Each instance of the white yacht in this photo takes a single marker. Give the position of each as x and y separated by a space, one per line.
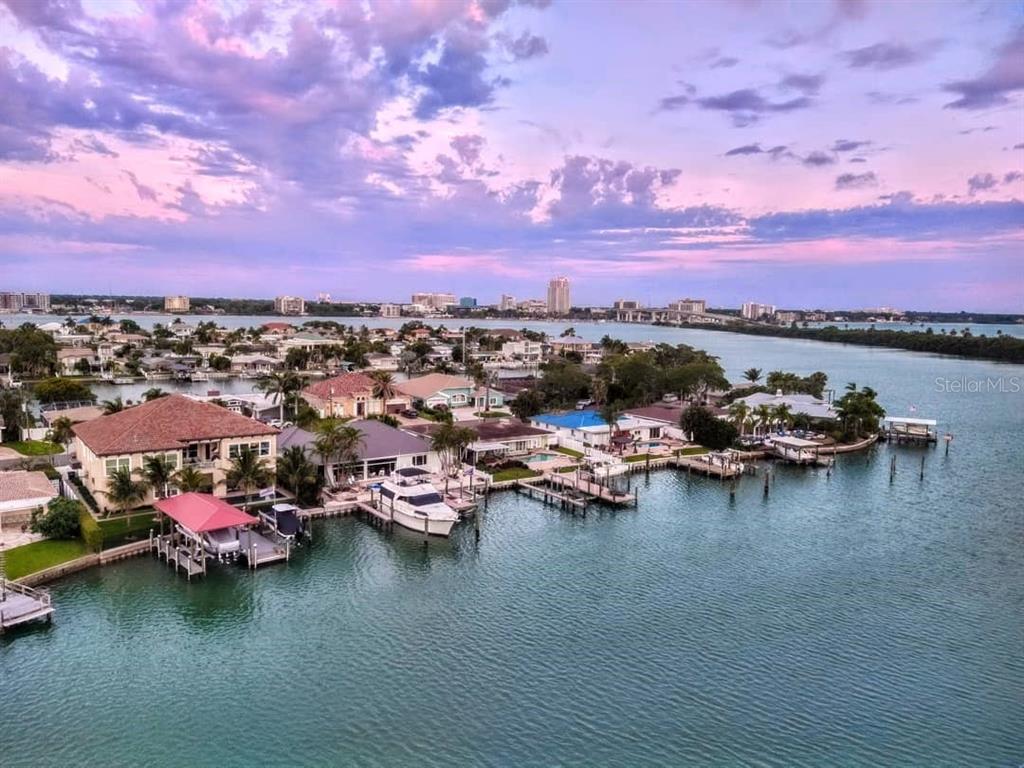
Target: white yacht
415 503
605 466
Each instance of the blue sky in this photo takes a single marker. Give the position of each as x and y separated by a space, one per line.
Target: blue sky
837 154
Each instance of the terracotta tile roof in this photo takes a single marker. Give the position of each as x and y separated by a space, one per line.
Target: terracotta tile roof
346 385
21 484
165 424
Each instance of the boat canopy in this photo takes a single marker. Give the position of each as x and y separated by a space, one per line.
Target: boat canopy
201 512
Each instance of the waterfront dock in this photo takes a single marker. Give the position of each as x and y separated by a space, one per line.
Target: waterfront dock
594 491
22 605
710 465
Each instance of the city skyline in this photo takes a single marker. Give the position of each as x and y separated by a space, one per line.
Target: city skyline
842 154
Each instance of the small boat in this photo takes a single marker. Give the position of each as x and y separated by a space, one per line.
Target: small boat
602 467
124 380
415 503
199 376
222 543
283 520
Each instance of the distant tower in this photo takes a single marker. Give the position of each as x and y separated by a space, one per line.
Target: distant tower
558 296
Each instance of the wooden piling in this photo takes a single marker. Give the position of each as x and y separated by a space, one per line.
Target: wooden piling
922 467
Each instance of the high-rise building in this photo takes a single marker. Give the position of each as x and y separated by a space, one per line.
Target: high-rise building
626 304
289 305
752 310
176 304
390 310
436 301
323 298
689 306
558 296
24 302
507 303
467 302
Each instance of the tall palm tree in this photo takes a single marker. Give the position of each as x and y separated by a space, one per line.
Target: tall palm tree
280 386
153 393
782 414
383 388
191 480
248 472
296 472
753 375
113 406
159 474
62 431
124 490
740 413
450 442
763 416
337 444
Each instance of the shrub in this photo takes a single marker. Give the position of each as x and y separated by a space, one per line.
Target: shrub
83 493
59 520
708 429
92 534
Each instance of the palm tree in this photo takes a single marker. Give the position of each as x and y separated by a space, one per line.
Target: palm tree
153 393
782 414
248 472
763 415
62 431
124 490
159 473
337 444
383 388
296 472
740 413
450 442
280 385
752 375
112 406
190 480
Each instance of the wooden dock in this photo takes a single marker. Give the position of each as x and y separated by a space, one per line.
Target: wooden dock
22 605
723 470
535 490
258 549
181 557
593 490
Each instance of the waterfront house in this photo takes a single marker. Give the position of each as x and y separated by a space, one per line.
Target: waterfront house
436 389
378 361
585 429
350 394
255 364
70 359
381 451
183 430
807 405
21 492
506 437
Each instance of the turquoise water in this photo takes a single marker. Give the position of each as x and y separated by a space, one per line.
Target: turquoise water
541 457
844 621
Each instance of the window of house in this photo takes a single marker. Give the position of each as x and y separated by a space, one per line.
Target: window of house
420 460
112 465
260 449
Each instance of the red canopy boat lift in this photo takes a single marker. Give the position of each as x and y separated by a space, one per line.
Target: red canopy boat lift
204 527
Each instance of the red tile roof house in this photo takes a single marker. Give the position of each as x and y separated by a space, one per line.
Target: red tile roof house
350 395
185 431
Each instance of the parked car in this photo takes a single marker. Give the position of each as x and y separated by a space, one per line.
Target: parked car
410 413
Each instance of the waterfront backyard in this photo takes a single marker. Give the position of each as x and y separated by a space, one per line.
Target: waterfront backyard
844 620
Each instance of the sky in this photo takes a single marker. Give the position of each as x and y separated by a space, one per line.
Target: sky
841 154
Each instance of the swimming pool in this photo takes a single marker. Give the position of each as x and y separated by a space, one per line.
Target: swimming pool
540 457
572 419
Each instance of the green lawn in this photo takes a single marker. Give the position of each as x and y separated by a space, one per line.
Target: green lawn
694 450
568 452
30 558
631 459
34 447
565 470
515 473
492 414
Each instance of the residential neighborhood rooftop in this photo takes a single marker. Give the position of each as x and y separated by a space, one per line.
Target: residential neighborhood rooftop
167 423
21 484
340 386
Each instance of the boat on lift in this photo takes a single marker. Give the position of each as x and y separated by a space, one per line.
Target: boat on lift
415 503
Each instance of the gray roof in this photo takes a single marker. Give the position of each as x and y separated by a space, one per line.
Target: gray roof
379 441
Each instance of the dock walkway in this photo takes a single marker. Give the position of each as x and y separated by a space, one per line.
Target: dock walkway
591 489
20 605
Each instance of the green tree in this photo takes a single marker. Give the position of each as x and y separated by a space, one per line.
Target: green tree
124 490
298 474
280 386
450 442
159 473
14 413
191 480
707 429
338 445
59 520
62 431
529 402
248 472
383 387
62 390
739 412
859 412
112 406
153 393
753 375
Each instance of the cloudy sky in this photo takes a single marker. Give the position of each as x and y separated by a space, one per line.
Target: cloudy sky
836 154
